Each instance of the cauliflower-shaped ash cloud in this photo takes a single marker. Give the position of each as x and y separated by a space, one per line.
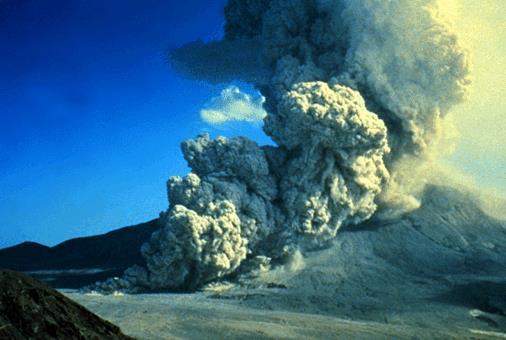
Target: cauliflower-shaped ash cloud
233 105
350 87
334 168
400 55
192 248
233 208
218 214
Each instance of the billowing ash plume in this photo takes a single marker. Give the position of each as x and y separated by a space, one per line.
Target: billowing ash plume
350 85
333 150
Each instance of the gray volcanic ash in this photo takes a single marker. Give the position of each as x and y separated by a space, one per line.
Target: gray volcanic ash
352 87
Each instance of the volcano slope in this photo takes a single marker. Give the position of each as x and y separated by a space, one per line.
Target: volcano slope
438 271
446 256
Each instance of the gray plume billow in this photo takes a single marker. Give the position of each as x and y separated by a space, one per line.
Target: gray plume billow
351 87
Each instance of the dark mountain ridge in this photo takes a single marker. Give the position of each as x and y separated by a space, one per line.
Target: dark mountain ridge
79 261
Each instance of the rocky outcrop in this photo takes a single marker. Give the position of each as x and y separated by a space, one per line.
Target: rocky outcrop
31 310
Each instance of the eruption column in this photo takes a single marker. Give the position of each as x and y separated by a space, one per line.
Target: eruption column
351 86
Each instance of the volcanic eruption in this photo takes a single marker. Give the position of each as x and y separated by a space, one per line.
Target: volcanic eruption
351 87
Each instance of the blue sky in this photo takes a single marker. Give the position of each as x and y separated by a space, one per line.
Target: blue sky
92 115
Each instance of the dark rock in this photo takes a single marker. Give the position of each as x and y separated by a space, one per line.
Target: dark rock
31 310
276 285
81 261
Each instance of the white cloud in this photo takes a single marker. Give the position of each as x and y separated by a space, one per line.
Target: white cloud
233 105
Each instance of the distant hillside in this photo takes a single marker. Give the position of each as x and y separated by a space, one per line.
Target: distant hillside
80 261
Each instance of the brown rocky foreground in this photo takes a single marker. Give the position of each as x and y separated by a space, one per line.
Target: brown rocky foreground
31 310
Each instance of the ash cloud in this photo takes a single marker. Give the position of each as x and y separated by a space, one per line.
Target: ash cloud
351 87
